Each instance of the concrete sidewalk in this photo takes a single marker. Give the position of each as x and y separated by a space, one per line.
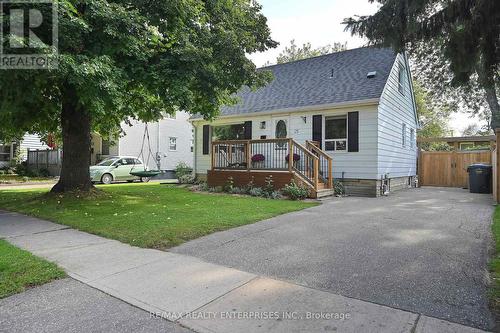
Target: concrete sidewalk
203 296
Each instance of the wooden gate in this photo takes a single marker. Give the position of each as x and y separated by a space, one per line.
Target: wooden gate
440 168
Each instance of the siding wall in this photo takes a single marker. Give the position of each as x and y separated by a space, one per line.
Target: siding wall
32 142
394 110
180 128
362 164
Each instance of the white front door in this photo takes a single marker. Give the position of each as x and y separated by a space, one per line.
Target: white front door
281 130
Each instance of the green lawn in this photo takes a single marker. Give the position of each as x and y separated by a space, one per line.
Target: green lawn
148 215
20 269
14 179
495 264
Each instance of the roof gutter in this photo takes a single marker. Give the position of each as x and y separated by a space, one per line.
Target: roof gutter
308 108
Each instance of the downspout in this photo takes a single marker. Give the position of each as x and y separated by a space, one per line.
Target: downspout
158 154
195 149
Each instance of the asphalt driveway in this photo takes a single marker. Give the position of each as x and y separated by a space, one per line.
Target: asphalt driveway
422 250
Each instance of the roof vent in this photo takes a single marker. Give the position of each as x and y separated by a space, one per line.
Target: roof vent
371 75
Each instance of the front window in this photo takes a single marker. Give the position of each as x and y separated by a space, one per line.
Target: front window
336 133
403 135
412 138
401 78
4 153
172 144
108 162
105 147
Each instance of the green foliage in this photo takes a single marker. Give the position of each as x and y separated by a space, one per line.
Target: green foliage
20 270
338 188
494 291
437 146
256 192
23 170
455 42
168 215
433 119
294 52
182 169
295 192
138 59
186 179
229 185
268 185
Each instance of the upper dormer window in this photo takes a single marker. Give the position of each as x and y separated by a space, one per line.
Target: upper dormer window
401 79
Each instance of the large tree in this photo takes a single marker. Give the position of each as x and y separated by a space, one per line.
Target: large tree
294 52
457 40
433 118
137 59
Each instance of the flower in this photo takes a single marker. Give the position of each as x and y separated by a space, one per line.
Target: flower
296 157
258 158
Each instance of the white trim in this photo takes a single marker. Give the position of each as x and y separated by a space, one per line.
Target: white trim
345 115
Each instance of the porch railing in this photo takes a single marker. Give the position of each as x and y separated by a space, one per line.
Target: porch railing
312 165
325 163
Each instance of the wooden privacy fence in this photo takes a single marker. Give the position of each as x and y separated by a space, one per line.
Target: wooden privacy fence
45 159
445 168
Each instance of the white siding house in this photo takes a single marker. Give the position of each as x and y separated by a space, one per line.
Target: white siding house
29 141
170 140
355 104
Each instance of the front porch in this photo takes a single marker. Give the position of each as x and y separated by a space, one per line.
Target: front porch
284 159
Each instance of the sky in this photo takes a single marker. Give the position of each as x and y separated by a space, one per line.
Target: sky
320 23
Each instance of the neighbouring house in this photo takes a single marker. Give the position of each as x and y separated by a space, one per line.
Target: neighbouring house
348 116
464 143
28 142
170 142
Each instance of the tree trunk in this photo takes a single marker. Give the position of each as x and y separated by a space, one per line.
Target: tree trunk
492 99
75 125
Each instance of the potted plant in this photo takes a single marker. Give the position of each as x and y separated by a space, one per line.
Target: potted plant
296 158
258 160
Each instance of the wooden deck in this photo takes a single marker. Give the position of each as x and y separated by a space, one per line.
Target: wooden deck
285 160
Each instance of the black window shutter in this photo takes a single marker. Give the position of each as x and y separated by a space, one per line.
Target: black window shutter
353 131
248 130
318 129
206 139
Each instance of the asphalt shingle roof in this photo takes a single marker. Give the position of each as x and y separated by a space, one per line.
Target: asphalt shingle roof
332 78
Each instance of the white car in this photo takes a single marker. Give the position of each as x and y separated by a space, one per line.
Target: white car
117 169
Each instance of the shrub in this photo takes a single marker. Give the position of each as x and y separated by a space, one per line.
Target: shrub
229 185
44 172
269 185
338 188
26 179
256 192
295 192
186 179
274 195
182 169
203 186
238 190
22 170
249 186
258 158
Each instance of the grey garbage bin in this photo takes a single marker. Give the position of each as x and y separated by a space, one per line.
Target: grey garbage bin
480 178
